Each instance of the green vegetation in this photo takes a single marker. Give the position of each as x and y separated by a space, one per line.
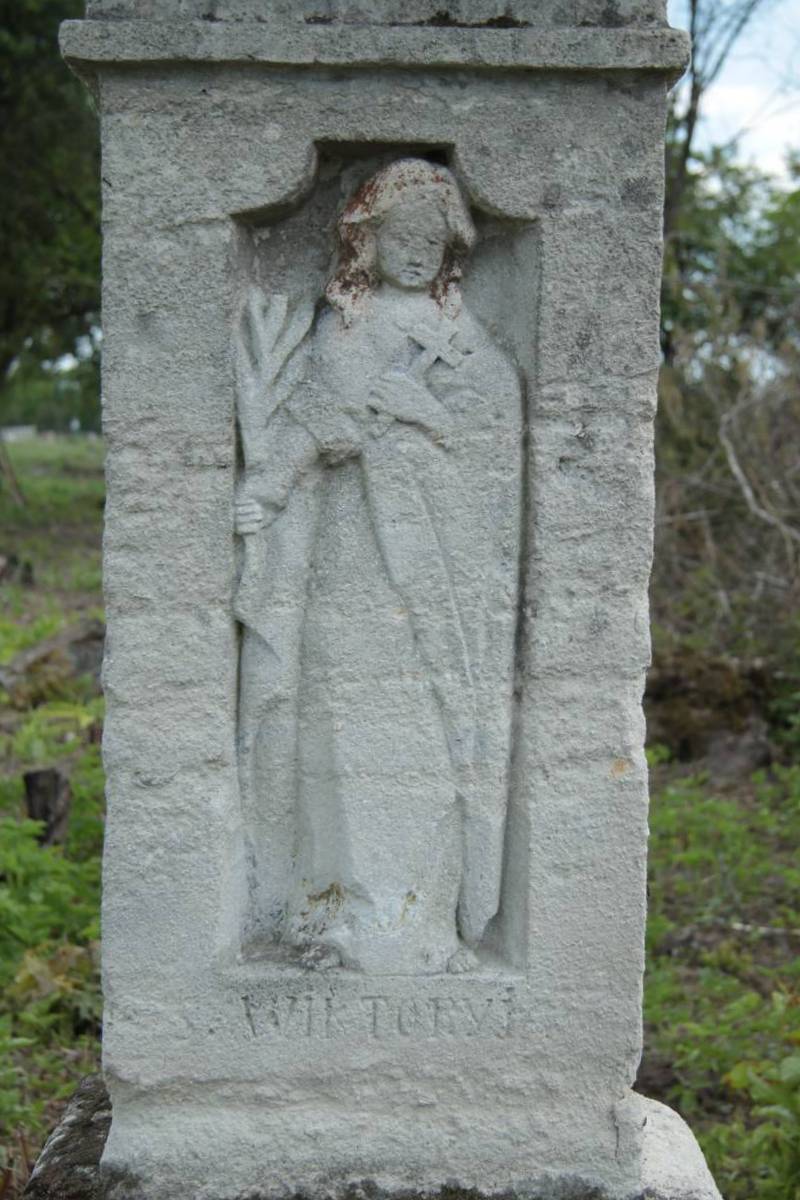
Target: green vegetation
57 533
49 223
727 566
49 894
722 1000
726 576
722 995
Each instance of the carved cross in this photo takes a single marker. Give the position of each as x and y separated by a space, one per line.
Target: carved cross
435 345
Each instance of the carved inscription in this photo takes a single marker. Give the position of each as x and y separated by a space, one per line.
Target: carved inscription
374 1015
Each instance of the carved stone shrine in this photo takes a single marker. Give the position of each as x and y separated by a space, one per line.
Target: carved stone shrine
380 355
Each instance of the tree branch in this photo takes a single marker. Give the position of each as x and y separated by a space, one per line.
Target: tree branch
745 487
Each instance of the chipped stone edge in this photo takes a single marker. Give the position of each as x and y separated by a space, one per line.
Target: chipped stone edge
88 45
673 1166
120 1185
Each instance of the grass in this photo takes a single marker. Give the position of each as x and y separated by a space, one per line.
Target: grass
49 895
58 531
722 995
722 991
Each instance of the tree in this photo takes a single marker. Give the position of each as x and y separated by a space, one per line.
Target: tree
49 188
727 572
727 575
715 27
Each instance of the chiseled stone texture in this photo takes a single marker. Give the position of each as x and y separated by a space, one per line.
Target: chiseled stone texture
68 1166
443 13
234 1071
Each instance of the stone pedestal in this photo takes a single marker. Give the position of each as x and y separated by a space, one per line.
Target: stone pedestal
375 863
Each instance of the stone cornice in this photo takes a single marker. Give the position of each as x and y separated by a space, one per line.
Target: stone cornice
91 45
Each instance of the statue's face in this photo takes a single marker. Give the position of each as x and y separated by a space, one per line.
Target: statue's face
410 245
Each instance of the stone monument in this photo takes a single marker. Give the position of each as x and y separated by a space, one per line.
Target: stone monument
380 312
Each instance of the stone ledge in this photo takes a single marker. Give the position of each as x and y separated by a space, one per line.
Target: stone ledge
499 13
89 45
68 1168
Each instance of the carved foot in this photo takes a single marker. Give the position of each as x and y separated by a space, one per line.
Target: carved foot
463 960
318 957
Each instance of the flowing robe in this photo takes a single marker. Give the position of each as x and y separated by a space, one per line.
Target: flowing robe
379 612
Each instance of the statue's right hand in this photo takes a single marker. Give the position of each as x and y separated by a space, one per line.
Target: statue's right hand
249 517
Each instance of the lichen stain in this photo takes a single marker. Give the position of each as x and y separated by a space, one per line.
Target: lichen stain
620 767
332 896
409 901
330 901
446 277
363 201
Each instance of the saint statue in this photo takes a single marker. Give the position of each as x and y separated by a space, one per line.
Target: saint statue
379 508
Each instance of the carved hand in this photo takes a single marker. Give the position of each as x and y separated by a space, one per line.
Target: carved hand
403 398
249 517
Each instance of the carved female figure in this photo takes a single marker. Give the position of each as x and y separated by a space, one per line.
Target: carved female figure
380 509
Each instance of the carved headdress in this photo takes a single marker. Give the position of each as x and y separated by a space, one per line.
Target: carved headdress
407 179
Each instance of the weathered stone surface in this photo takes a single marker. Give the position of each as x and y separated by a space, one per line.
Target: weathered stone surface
374 881
407 478
68 1166
476 47
673 1167
498 14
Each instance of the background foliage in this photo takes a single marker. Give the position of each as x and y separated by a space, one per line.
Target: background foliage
50 716
722 1001
49 221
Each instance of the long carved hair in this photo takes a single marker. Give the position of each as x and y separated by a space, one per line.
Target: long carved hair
403 180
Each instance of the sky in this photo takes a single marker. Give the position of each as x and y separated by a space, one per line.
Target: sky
757 95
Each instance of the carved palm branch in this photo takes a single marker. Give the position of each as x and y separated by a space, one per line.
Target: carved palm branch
266 339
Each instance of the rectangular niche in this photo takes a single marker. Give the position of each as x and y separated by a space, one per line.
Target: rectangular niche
383 351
